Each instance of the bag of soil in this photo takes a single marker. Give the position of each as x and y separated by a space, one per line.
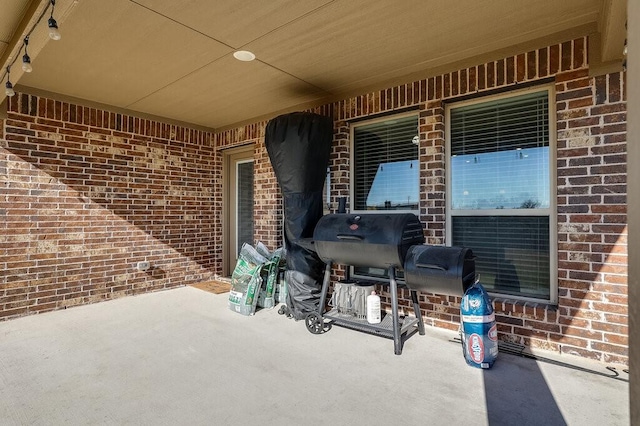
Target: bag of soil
266 297
246 280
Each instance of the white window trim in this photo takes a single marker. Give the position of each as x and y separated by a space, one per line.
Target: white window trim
352 161
553 169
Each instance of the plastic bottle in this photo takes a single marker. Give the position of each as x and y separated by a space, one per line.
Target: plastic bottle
373 308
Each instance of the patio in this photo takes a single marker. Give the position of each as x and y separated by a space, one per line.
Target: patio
181 357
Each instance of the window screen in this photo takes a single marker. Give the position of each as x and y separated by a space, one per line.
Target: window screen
386 170
499 191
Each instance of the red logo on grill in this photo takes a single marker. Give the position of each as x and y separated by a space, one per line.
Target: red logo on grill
353 227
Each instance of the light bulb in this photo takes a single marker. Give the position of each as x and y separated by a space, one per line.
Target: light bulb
54 34
9 89
26 63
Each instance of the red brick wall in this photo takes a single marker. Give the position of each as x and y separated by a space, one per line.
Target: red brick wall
86 194
267 213
590 319
592 221
432 183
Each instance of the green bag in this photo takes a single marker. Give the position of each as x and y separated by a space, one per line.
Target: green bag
246 280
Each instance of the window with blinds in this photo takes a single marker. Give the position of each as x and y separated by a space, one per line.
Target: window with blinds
499 192
385 164
386 172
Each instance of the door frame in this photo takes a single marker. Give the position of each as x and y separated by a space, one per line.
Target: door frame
229 158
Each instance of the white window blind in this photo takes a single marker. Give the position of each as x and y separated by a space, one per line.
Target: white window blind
499 191
500 154
385 169
512 252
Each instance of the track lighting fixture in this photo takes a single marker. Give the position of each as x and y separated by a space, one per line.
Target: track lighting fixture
624 51
26 60
54 34
8 86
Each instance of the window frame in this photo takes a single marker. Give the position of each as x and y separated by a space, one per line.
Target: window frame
352 177
550 212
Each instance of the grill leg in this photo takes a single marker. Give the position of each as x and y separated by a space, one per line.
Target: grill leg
325 287
397 340
416 309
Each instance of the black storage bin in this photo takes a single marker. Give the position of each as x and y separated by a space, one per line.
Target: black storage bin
439 269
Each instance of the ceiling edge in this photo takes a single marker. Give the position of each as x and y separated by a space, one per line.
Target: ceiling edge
612 31
471 61
598 66
110 108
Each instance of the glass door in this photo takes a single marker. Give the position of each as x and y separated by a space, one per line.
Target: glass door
243 204
238 225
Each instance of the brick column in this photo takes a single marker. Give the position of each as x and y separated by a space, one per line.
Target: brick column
432 171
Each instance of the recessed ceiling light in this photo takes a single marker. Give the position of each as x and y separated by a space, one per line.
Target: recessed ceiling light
244 55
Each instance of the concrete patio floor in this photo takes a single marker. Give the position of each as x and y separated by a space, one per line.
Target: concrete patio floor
181 357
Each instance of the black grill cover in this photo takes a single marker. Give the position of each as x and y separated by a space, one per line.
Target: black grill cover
440 269
299 145
375 240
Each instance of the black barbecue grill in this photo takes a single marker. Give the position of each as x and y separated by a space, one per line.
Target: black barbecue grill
370 240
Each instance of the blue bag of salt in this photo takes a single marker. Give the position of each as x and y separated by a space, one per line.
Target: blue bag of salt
479 331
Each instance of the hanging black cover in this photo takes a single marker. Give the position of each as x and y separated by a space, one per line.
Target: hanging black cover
299 145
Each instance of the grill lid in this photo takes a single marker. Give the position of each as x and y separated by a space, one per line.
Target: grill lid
375 240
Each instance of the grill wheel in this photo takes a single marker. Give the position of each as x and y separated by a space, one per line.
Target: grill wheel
315 323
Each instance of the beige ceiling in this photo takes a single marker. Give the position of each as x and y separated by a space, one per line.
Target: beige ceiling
173 58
